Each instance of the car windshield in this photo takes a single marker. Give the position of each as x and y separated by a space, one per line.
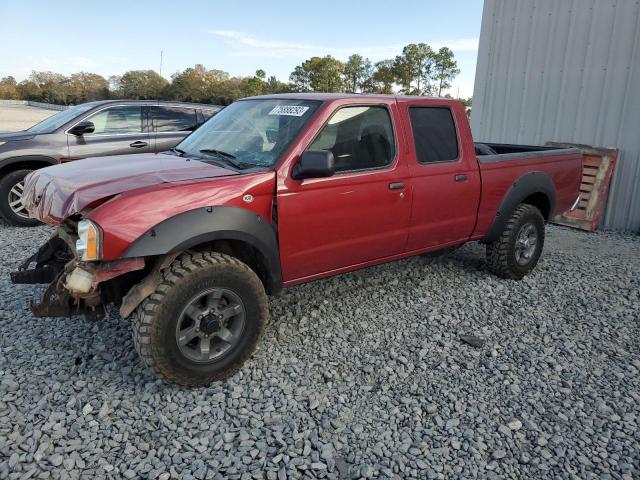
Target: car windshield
249 133
54 122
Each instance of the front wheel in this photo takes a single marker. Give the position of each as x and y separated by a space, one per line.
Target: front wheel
516 252
11 206
203 321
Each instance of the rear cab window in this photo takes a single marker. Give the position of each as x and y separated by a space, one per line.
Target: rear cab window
174 119
434 134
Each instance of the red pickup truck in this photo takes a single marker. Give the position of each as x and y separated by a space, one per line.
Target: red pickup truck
272 192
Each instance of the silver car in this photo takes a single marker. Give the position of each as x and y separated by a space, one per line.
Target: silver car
108 127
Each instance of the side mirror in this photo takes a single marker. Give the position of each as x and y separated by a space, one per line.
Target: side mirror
314 164
82 128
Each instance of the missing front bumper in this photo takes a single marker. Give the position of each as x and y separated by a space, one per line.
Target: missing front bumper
75 287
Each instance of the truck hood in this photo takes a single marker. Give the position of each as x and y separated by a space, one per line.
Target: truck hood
54 193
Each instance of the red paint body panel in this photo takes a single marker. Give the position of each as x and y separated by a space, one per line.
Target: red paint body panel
325 225
71 187
444 210
129 215
497 178
352 217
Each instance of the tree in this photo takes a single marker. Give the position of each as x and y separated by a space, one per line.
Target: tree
141 85
9 88
87 87
402 73
357 71
228 91
255 85
276 86
28 90
318 74
445 69
195 84
383 77
53 87
415 66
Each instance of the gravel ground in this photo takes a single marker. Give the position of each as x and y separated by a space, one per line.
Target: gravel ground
21 117
361 375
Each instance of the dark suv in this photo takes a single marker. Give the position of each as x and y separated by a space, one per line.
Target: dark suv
108 127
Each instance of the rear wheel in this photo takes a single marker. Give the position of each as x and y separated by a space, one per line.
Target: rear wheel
203 321
516 252
11 205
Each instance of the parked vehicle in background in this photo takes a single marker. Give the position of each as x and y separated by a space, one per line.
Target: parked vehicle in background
276 191
108 127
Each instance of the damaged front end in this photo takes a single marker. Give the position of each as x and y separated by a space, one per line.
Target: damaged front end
76 286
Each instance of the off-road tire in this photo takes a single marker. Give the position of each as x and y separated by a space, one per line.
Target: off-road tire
6 184
501 255
154 320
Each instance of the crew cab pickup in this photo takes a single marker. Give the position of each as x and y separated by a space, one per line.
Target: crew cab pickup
275 191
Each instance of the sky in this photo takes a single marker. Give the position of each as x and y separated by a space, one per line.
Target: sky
238 37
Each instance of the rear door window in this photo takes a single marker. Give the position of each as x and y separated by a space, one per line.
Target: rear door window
174 119
434 134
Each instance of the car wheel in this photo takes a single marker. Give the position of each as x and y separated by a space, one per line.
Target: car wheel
203 321
516 252
11 207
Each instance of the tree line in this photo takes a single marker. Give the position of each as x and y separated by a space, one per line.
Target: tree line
418 70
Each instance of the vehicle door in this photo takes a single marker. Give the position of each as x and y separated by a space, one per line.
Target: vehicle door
444 174
170 124
359 214
119 129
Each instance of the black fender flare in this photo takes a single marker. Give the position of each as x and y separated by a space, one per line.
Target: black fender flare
43 159
201 225
526 185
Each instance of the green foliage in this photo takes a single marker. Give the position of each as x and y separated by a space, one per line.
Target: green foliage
445 68
318 74
140 85
195 84
357 72
418 70
86 87
383 77
9 88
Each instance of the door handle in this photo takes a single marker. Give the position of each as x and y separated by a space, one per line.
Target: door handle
396 186
138 144
460 177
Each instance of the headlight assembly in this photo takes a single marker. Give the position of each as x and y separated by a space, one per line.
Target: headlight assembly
88 243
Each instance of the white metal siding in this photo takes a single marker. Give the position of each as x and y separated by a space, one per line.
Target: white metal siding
567 71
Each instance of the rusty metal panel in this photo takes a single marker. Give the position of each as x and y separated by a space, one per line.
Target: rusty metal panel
566 71
598 165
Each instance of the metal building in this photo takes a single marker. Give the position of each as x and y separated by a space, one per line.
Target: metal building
565 71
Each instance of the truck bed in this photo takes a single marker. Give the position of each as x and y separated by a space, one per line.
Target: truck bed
504 152
501 164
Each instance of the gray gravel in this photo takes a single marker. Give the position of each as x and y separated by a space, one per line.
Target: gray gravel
362 375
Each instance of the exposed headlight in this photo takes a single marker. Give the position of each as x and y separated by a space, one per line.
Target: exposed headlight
88 243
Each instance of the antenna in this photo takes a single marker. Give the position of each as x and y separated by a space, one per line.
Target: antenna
160 63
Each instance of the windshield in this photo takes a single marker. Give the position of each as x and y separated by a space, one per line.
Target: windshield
250 133
54 122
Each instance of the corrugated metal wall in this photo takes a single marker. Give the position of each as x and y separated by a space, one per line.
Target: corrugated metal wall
568 71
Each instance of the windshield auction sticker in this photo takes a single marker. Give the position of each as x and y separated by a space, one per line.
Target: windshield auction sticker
291 110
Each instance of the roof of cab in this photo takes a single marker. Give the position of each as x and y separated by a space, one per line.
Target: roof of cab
341 96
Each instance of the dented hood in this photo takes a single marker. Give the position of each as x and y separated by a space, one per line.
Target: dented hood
53 193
